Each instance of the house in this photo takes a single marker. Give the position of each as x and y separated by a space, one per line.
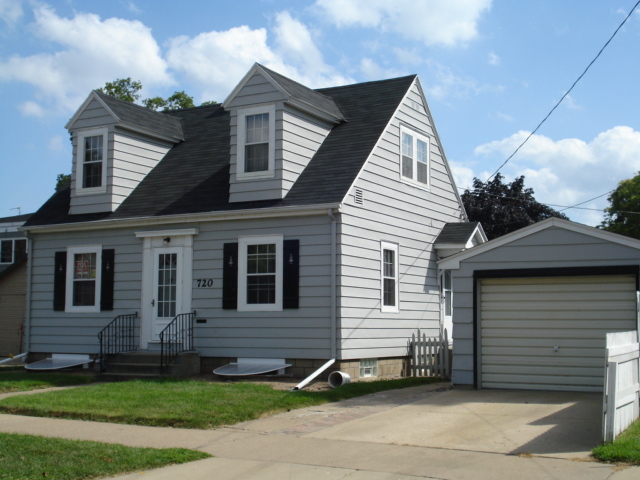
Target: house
298 224
13 284
531 308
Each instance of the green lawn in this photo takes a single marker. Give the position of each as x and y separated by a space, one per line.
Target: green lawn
624 449
19 380
25 457
184 403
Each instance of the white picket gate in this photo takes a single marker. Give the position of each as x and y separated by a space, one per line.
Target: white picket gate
430 356
622 383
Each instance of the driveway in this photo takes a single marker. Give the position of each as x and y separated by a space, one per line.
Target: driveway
420 432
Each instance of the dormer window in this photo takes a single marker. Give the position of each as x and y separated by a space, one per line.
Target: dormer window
256 142
91 168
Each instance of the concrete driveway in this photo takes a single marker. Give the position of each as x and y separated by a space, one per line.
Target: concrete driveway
420 432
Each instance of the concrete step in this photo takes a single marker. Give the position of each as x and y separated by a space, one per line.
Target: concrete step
144 364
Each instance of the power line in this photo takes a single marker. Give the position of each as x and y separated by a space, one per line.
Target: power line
565 95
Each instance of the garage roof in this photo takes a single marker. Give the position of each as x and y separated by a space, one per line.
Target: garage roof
453 262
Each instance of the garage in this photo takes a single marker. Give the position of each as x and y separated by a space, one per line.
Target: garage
548 333
531 309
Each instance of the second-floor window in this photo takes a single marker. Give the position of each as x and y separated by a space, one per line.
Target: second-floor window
414 157
91 166
256 142
12 250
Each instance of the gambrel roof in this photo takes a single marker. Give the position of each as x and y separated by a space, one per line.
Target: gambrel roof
193 177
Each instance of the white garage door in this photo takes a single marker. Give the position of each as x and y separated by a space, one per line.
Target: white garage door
548 333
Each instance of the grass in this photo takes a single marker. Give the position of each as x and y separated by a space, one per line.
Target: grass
624 449
25 457
184 403
21 381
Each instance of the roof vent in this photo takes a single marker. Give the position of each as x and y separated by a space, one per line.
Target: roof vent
359 199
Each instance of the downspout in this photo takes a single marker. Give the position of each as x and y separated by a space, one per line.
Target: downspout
334 318
27 312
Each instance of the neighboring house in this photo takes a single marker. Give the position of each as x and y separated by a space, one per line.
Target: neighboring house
531 308
299 224
13 284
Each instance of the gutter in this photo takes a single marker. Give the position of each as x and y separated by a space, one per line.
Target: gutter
275 212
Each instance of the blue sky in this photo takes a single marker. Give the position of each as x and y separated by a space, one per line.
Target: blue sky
491 71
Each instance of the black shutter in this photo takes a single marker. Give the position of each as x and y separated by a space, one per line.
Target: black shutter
59 281
230 276
106 289
291 274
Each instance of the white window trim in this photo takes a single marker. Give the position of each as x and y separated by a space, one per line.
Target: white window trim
416 136
71 252
243 243
13 248
243 113
389 308
82 134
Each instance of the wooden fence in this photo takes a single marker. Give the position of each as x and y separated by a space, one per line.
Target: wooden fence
430 356
622 383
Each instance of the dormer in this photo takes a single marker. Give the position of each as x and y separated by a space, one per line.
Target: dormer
115 145
277 126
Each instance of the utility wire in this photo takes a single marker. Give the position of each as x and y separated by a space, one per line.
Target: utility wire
565 95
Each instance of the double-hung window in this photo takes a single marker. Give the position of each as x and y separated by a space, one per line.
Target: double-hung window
91 165
260 273
389 277
414 157
12 250
83 279
256 142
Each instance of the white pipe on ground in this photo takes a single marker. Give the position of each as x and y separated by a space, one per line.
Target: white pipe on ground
314 374
16 357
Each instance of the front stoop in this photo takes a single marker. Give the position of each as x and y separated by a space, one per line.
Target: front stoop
146 364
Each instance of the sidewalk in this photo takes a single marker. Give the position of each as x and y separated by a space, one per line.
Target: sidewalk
388 435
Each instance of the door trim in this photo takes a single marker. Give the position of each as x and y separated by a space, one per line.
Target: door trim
155 240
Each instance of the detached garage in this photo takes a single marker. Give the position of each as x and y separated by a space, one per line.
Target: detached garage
531 309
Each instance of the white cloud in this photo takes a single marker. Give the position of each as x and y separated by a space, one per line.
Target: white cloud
433 22
371 70
92 51
31 109
569 171
218 60
493 59
10 11
441 83
56 144
571 103
505 116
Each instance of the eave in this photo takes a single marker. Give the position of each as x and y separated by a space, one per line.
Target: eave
227 215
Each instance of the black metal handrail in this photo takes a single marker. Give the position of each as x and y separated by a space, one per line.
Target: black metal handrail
177 337
118 336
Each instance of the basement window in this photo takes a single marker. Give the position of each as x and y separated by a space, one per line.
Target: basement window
368 367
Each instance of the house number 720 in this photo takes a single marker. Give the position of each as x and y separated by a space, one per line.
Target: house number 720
204 282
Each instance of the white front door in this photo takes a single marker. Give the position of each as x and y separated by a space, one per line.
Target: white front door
167 288
167 260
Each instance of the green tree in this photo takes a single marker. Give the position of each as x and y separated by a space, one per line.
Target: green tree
623 201
62 180
127 90
504 207
123 88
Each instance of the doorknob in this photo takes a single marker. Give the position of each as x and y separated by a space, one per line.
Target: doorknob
153 302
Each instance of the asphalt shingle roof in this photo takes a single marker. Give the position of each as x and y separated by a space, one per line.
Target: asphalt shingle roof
306 94
143 117
193 177
456 233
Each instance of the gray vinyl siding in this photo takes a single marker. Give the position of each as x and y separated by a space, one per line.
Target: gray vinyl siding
256 91
394 212
297 138
130 157
297 333
551 248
